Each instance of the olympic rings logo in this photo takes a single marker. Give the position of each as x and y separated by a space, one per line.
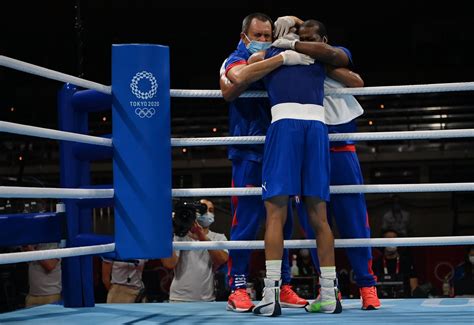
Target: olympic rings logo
145 112
448 274
144 94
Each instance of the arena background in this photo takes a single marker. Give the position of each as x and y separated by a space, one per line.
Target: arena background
393 43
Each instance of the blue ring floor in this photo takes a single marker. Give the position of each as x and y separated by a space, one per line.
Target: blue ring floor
400 311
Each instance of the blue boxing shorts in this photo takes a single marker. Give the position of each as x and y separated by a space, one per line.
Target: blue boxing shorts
296 159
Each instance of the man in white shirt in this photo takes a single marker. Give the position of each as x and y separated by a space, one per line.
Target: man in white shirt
123 280
44 278
194 270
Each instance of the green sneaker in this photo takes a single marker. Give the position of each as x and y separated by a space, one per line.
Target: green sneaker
330 304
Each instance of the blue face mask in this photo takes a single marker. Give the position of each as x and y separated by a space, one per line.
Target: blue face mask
206 219
257 46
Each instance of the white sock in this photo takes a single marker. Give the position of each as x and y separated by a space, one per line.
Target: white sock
273 269
328 276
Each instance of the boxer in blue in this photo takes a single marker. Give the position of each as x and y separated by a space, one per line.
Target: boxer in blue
251 116
348 210
296 162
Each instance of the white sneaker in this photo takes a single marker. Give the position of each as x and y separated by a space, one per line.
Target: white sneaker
270 304
327 302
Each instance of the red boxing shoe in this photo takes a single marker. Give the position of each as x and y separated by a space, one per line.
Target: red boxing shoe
290 299
239 301
369 298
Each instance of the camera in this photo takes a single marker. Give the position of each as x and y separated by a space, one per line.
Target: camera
185 213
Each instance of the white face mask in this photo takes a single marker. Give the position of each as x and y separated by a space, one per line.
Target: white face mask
471 259
206 219
391 249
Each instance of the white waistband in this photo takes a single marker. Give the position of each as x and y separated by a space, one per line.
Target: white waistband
297 111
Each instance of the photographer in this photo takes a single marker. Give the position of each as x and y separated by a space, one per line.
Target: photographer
194 270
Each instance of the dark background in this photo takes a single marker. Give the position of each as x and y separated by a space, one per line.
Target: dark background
392 42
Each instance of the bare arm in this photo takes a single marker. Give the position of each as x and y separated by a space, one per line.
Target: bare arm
238 78
170 262
323 52
106 272
229 90
218 256
345 76
47 265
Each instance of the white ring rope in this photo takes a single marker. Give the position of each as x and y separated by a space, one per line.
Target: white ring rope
73 193
339 243
403 89
55 253
358 136
402 188
335 189
256 244
51 74
204 93
54 193
35 131
381 90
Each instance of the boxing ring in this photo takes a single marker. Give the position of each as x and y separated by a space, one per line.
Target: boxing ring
140 147
393 311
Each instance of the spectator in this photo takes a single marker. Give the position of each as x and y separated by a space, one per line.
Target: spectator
305 264
123 280
395 271
194 270
396 218
464 275
44 278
